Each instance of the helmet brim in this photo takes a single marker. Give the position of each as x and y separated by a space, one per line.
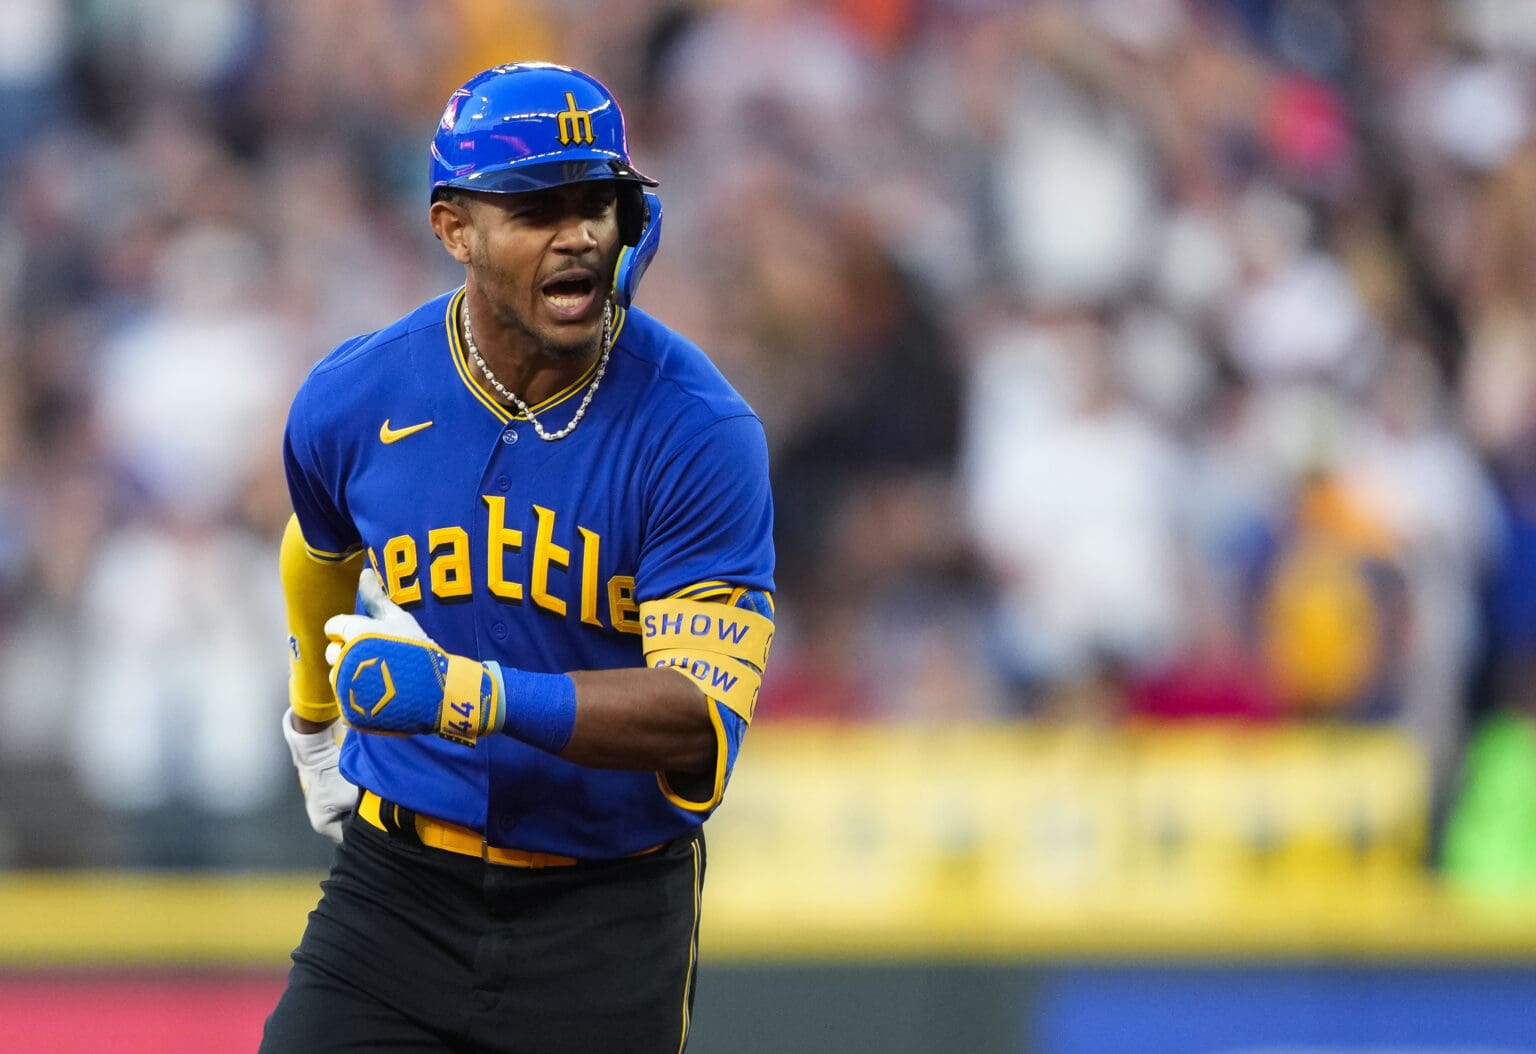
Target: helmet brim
519 177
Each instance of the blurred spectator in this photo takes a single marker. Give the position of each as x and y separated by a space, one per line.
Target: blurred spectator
34 61
1332 615
1425 482
1071 494
186 681
185 391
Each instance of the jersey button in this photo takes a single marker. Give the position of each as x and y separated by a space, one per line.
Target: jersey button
499 630
509 436
503 483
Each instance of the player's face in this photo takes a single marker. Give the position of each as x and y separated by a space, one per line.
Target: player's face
544 262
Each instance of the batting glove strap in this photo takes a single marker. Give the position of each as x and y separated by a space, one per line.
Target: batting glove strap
539 709
401 686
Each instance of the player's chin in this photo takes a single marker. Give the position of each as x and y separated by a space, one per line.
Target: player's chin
572 338
571 342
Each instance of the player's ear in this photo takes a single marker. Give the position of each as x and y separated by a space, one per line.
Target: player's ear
451 222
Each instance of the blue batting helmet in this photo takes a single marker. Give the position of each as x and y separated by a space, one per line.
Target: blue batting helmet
534 125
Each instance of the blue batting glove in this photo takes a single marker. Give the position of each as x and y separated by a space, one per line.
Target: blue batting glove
390 678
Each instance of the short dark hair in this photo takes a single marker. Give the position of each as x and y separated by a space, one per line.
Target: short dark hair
452 195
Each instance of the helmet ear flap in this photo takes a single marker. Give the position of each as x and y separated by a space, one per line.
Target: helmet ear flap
633 212
636 256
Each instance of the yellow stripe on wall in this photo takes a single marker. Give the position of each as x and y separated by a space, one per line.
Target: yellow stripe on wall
125 920
74 919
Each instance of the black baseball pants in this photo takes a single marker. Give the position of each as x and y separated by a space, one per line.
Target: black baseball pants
417 949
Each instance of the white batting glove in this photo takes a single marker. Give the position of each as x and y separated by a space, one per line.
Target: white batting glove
328 797
384 617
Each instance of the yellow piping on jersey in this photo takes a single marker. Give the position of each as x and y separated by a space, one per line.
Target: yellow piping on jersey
323 557
716 590
703 591
505 415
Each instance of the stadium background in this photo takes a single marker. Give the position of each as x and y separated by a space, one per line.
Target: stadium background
1152 388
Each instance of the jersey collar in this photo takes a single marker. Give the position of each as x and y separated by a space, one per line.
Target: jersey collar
506 414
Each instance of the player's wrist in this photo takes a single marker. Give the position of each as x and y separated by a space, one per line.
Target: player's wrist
313 753
537 708
306 727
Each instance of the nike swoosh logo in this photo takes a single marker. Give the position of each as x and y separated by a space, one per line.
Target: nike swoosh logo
394 435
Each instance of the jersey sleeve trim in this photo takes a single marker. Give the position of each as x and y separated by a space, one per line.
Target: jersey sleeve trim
321 556
703 591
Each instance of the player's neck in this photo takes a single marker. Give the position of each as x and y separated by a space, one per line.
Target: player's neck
517 359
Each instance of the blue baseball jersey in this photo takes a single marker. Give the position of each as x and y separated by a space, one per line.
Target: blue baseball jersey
535 554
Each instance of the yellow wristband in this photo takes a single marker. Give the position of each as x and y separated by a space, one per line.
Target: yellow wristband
470 702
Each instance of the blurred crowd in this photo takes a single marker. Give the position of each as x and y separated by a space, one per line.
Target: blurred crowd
1122 360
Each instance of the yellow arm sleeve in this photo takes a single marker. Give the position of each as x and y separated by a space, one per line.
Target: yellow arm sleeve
314 589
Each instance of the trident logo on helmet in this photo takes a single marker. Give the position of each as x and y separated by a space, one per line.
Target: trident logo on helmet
575 124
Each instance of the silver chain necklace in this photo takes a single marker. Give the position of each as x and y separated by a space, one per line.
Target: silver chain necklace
524 408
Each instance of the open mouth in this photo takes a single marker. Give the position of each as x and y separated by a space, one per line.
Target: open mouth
570 296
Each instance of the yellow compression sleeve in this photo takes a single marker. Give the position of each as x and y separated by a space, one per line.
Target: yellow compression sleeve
315 587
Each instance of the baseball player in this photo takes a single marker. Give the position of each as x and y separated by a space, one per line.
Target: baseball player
531 565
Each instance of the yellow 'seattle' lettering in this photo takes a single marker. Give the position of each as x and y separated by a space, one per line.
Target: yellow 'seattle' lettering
499 538
400 569
511 575
623 610
450 570
545 553
590 547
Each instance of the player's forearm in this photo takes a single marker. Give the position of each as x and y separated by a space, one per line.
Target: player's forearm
640 719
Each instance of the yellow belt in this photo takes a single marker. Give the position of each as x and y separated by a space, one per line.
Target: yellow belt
440 834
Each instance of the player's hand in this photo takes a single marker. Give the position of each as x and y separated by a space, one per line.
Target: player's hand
383 616
389 677
328 798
